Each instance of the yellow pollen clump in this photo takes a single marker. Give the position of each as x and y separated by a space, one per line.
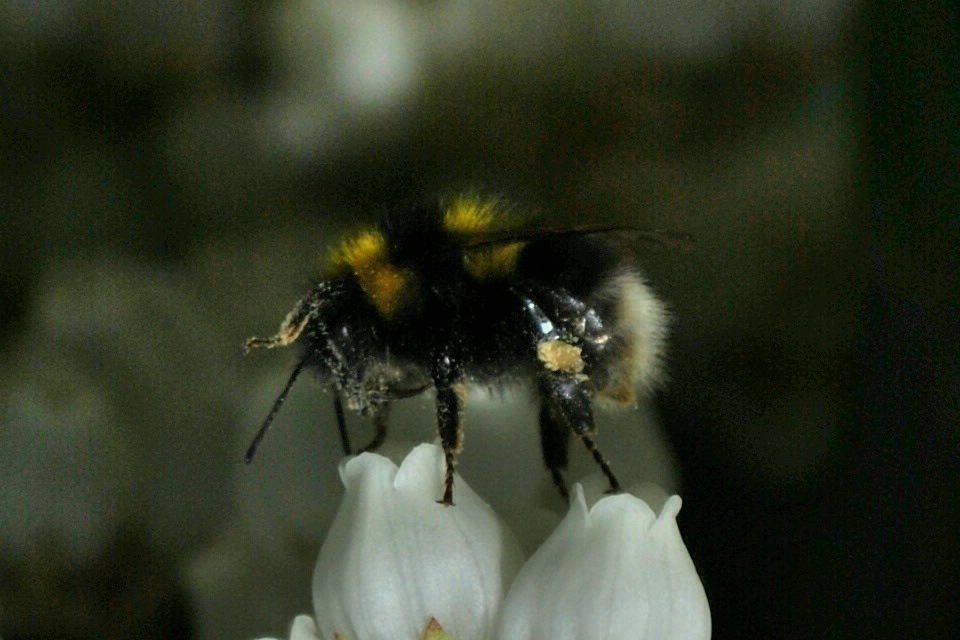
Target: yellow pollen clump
557 355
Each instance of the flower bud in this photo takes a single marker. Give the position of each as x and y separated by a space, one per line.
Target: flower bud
616 571
394 558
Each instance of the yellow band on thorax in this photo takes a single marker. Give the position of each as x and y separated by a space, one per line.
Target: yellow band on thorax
365 253
469 215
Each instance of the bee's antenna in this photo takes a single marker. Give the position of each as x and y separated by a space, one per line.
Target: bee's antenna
252 449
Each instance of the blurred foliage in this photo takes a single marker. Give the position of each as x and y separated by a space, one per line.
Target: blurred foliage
172 172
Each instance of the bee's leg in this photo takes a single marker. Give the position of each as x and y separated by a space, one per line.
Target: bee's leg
569 400
381 414
451 436
446 379
554 443
565 398
341 422
293 325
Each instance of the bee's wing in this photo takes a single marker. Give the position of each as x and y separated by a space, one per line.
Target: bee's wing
626 236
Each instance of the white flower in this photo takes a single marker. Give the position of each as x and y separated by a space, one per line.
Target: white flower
613 572
398 566
394 558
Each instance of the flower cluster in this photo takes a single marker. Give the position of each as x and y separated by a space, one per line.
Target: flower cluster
398 566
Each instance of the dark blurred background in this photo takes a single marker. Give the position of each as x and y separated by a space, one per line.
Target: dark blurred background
171 173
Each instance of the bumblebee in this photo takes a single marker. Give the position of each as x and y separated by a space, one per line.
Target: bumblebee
458 292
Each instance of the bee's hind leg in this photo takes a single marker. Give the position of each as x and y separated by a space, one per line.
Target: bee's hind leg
568 402
554 443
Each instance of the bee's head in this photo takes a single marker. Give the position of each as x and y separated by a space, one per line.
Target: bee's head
344 341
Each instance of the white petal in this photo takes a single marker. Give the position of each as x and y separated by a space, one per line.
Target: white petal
303 628
394 557
614 572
